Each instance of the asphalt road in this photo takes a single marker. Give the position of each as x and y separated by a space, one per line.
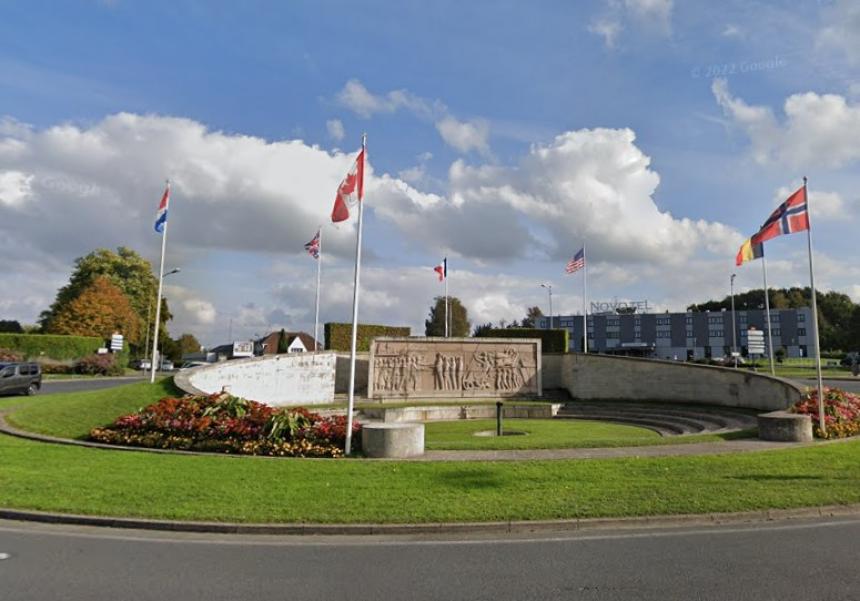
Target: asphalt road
53 386
777 561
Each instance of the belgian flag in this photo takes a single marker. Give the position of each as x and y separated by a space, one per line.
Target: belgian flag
749 251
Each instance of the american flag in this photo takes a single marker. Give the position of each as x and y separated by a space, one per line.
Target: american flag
577 262
313 247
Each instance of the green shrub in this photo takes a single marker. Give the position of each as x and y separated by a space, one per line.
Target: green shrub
99 365
61 348
338 336
552 341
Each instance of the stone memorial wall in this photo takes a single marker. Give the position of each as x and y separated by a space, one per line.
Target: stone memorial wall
402 368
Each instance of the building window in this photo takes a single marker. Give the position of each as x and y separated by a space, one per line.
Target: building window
689 332
664 334
689 321
801 317
715 333
801 331
715 321
664 321
774 332
612 321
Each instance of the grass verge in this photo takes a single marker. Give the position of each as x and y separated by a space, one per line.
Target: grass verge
67 479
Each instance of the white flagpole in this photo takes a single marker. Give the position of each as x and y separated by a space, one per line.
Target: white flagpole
445 271
584 301
821 425
767 312
155 358
351 398
317 301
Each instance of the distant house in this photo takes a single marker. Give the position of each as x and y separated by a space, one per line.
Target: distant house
296 342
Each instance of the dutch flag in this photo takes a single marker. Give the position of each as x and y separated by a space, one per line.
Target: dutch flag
161 214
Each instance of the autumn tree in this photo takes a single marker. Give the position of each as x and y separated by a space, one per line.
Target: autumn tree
188 343
458 322
99 310
126 270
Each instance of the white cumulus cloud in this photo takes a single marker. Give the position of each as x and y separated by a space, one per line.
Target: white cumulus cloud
335 129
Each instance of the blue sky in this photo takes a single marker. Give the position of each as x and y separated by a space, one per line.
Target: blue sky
500 134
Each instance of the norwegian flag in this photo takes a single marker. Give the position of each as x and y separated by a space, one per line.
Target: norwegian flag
442 269
350 190
790 217
313 247
576 263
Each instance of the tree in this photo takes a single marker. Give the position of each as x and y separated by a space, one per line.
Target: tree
125 269
458 322
99 310
9 325
188 343
482 330
283 347
532 315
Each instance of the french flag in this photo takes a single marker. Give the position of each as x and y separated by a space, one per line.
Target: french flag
161 214
442 269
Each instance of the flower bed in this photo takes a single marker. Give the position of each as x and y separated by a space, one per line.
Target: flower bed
222 423
841 412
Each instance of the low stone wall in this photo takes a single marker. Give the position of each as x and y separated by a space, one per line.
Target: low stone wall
596 376
452 412
287 379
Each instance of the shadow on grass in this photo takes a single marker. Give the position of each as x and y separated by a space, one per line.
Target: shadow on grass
776 477
470 479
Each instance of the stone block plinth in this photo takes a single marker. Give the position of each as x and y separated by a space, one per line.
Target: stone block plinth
393 439
781 426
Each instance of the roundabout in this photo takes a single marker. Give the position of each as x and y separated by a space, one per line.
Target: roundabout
531 485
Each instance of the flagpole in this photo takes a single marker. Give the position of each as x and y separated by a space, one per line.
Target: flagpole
445 271
584 301
317 301
767 311
351 397
155 358
821 425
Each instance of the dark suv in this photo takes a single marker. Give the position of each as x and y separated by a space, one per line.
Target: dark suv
20 378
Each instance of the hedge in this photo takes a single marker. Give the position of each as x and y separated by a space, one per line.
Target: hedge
338 336
60 348
552 341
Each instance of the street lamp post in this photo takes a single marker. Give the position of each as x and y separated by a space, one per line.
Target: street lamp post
149 319
734 330
549 290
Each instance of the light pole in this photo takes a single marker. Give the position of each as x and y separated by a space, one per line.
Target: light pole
549 289
149 318
734 332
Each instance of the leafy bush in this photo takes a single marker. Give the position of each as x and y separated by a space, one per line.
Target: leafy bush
99 365
841 412
227 424
9 355
33 346
338 336
552 341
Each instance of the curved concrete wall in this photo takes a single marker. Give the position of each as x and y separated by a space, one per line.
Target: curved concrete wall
288 379
595 376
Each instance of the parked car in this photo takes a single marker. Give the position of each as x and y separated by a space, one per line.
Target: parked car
167 365
850 359
20 378
191 364
143 364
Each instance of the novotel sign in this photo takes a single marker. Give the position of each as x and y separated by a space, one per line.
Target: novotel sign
619 306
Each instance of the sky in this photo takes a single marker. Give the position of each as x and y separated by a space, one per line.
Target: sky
503 135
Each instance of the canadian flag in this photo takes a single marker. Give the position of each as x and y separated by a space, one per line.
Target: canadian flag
350 190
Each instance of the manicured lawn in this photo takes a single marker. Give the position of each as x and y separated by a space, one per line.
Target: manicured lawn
69 479
540 434
73 415
248 489
552 434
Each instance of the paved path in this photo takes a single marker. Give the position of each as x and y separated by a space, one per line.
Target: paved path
788 561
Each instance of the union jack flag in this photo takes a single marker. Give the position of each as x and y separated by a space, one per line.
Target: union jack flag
577 262
313 247
790 217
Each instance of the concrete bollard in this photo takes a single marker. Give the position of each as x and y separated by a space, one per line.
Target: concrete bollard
782 426
392 439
